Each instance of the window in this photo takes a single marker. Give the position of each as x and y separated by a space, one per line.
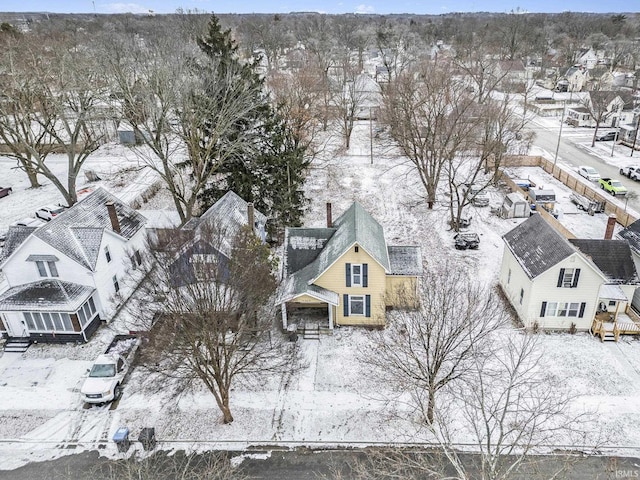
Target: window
48 321
356 275
521 295
509 277
612 303
562 309
107 254
41 269
47 269
356 249
356 305
116 285
568 277
53 269
138 257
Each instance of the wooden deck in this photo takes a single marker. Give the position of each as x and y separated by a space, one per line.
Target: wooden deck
609 327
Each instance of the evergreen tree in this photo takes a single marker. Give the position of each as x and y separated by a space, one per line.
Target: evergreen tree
270 169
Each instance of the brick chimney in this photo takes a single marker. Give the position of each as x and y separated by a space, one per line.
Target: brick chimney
611 223
329 219
251 217
115 224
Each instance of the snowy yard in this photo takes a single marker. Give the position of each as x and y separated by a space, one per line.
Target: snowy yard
333 400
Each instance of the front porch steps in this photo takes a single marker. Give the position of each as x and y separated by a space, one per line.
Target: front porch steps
311 333
17 344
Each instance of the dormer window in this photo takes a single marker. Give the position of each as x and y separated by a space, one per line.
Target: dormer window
46 264
107 254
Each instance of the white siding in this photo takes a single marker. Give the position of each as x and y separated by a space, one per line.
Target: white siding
19 271
544 289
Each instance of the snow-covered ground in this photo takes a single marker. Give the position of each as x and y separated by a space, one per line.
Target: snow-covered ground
333 400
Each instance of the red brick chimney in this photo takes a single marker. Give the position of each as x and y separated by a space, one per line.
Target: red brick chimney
251 219
611 223
329 219
115 224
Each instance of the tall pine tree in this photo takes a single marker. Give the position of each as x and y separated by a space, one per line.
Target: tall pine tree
270 169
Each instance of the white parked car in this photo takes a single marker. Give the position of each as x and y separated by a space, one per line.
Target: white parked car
28 222
589 173
50 211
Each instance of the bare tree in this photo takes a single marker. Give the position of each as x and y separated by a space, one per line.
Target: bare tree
426 349
55 102
510 408
428 112
211 286
162 466
350 95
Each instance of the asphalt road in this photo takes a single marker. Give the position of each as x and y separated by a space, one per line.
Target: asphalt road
330 464
571 154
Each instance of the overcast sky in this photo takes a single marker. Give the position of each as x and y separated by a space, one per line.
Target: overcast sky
326 6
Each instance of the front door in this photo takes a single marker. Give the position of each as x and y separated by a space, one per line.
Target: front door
11 329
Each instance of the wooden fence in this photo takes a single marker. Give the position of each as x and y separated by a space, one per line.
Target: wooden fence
623 217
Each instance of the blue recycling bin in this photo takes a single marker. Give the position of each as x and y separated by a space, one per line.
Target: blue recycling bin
121 439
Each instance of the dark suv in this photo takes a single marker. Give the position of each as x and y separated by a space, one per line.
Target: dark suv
466 240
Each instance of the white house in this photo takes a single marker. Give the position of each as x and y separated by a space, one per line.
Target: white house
554 282
67 275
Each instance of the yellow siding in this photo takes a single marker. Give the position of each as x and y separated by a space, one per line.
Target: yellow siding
401 291
306 299
334 279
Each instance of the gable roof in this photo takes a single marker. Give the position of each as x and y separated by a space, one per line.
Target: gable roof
15 236
78 232
537 246
311 251
355 225
612 257
228 215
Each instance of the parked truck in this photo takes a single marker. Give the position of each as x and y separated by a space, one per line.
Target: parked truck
614 187
109 370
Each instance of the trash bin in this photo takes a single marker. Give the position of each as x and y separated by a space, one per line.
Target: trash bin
148 438
292 330
121 439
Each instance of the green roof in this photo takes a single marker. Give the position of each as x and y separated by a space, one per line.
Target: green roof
354 226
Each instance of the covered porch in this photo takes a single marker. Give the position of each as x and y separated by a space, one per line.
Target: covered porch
614 316
310 313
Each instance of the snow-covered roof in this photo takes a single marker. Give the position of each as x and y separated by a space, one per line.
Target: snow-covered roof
537 245
15 236
49 295
612 257
631 234
311 251
612 292
405 260
78 232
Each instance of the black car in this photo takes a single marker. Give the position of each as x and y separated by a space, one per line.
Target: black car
606 137
466 240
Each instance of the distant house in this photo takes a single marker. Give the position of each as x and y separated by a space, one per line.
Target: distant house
556 283
615 108
586 57
67 275
511 73
346 272
574 80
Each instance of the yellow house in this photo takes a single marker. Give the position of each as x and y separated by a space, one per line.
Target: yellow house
346 272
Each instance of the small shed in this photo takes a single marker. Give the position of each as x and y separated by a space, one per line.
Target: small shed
543 198
514 206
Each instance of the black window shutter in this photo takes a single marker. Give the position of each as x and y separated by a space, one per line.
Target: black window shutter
348 271
345 300
365 275
560 277
582 307
543 309
575 278
367 304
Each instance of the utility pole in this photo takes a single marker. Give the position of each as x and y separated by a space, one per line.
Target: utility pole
564 107
615 140
371 132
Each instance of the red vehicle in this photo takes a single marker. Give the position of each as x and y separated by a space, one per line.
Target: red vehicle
4 191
